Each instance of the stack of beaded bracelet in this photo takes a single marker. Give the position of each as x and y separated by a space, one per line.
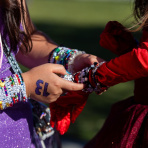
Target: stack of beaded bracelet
87 76
12 90
64 56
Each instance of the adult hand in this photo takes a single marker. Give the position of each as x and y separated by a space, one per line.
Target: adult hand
85 60
43 83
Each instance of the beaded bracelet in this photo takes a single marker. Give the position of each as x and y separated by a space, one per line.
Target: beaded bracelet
64 56
12 90
87 76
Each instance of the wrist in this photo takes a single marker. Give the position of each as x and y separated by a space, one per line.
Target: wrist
88 77
64 56
73 60
25 77
12 91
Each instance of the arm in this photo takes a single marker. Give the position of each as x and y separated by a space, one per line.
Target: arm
129 66
42 47
35 83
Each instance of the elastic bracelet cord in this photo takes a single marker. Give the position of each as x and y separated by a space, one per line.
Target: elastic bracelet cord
12 91
64 56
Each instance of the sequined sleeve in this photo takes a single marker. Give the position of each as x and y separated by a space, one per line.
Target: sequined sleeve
12 90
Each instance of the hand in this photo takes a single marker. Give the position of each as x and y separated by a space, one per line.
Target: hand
67 108
43 84
85 60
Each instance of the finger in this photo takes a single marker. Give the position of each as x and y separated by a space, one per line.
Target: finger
59 69
100 60
94 59
71 86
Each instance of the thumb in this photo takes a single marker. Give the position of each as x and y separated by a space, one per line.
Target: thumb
67 85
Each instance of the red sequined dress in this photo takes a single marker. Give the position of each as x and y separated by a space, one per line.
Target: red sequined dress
127 124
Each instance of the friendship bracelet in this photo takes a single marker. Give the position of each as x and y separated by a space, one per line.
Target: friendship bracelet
87 76
64 56
71 60
12 90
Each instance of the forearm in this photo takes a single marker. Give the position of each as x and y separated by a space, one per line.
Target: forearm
130 66
42 46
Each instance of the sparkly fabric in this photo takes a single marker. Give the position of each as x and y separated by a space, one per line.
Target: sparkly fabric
127 124
126 127
16 126
5 69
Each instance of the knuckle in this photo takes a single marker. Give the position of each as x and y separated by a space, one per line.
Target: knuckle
55 93
61 66
90 59
51 99
60 92
57 84
73 87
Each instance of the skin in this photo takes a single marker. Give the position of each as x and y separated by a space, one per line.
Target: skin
48 74
37 61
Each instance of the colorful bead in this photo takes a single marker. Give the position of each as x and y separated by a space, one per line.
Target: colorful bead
12 92
57 58
1 106
87 76
2 83
7 105
64 56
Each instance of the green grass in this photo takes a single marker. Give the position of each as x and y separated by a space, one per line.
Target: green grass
78 24
78 13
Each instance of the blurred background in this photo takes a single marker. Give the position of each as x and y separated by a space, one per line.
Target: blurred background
78 24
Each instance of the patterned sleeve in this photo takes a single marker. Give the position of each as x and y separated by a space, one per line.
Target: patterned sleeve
12 90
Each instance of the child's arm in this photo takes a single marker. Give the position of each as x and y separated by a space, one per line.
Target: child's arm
130 66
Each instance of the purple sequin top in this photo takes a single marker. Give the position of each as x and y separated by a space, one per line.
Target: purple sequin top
16 124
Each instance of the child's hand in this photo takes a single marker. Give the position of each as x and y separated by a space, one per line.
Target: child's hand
85 60
43 84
